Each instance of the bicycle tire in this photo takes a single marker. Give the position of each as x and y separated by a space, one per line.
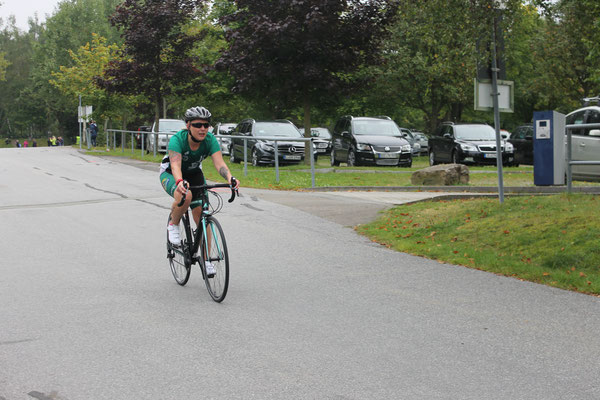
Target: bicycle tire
217 254
179 257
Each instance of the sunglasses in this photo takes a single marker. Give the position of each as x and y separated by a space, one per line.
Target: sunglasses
201 125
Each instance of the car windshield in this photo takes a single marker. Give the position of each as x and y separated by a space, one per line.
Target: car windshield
376 127
475 132
275 129
322 133
171 126
225 129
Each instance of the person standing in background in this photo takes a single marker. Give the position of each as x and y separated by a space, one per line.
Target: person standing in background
93 132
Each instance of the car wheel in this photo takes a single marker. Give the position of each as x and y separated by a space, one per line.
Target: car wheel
334 162
432 157
232 158
351 161
255 157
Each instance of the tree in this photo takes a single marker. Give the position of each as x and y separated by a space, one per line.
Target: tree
156 49
297 52
78 80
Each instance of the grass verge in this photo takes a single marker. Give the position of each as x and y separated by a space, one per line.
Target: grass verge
296 177
552 240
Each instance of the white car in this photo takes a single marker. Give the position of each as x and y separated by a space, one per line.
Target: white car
166 129
585 142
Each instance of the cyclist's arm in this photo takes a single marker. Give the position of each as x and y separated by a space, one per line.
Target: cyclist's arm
222 168
175 164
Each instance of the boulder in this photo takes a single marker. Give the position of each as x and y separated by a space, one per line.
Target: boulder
441 175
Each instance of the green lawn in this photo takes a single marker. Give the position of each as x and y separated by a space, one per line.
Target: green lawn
553 240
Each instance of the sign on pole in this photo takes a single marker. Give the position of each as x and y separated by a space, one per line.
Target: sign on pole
484 100
83 113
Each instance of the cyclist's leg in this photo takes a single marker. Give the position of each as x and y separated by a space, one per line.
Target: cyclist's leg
167 181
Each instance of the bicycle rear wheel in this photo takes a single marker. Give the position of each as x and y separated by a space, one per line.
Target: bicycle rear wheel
215 250
179 256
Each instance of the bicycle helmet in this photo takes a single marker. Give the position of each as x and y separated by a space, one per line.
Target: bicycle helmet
197 113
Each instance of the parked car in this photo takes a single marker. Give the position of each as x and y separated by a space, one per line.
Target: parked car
262 151
522 141
414 145
167 127
504 134
585 142
225 129
423 141
321 141
369 141
467 143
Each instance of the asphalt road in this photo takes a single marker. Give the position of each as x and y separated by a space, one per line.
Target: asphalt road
89 310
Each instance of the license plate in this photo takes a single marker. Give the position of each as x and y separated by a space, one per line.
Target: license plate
489 155
291 157
387 155
321 150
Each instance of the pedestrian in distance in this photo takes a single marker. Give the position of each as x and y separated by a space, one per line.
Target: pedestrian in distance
17 143
25 143
93 132
34 143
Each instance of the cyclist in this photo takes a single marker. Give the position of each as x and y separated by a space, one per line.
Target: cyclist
183 164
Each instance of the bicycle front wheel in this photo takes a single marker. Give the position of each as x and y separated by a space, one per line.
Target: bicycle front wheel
178 256
214 250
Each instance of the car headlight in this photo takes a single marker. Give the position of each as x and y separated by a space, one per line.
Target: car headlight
405 148
509 147
467 147
265 146
363 147
417 146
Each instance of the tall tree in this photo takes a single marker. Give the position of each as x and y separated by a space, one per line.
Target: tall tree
297 52
156 52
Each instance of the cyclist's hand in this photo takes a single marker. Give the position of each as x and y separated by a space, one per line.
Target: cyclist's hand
235 184
182 187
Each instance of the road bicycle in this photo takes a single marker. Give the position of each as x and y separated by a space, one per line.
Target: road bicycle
204 244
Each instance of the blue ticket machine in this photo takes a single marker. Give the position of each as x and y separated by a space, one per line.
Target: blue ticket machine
548 148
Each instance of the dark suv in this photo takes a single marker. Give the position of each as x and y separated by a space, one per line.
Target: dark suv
262 151
467 143
522 141
369 141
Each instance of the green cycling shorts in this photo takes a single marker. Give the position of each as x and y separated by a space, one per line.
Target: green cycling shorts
167 180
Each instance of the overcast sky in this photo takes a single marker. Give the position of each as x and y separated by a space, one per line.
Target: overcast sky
23 9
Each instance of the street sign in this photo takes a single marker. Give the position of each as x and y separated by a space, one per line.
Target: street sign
83 113
484 100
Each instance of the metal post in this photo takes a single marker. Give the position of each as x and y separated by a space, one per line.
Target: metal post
495 95
312 161
245 157
569 170
123 142
79 123
132 141
276 162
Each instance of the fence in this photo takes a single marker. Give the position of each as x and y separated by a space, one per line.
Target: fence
141 136
569 161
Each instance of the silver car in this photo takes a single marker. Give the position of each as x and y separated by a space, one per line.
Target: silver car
166 129
585 142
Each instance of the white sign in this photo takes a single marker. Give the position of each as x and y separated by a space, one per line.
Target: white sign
484 100
83 113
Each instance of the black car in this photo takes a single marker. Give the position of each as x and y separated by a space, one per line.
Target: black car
321 140
522 141
139 135
262 151
369 141
467 143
